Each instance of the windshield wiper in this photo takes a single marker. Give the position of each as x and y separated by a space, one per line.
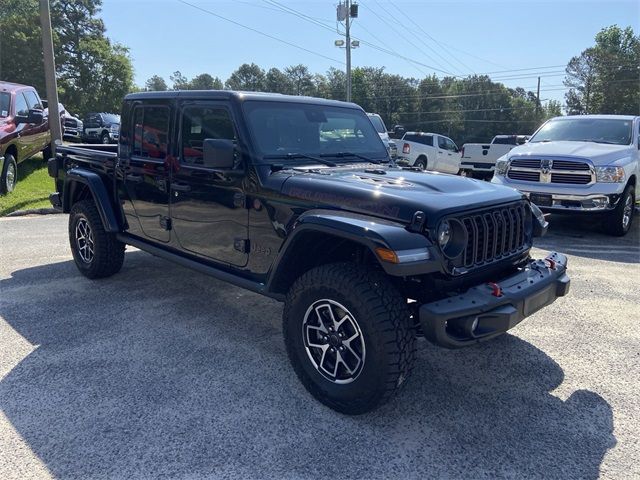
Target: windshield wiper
293 156
350 154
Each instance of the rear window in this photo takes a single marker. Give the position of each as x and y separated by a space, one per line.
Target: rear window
377 122
5 100
150 132
505 140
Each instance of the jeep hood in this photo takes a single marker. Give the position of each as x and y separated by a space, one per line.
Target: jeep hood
598 153
392 193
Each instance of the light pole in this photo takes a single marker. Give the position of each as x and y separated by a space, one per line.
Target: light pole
345 11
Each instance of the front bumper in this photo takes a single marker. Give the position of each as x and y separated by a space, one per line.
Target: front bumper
488 310
581 203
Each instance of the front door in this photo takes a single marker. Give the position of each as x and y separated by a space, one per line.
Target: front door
208 211
143 172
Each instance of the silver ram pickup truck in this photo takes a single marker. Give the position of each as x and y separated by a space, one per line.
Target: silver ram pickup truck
586 163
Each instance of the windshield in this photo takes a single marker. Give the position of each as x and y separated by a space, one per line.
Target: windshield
377 122
111 118
599 130
283 128
5 99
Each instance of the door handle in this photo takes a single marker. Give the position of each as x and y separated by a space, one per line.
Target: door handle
134 178
181 187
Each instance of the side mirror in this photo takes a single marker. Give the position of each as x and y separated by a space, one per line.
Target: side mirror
218 153
35 116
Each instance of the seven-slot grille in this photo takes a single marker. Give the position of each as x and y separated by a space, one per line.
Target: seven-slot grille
550 171
494 234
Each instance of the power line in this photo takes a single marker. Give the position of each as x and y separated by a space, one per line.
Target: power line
419 37
260 32
393 17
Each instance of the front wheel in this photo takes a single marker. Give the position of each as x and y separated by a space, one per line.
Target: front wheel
97 253
9 175
348 336
105 138
620 218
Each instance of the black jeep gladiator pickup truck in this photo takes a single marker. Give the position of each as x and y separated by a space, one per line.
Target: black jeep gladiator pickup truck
295 198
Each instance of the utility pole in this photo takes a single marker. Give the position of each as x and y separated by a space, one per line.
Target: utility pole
345 12
538 97
50 75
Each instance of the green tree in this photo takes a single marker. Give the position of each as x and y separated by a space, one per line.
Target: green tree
248 77
179 81
300 79
156 84
275 81
605 78
204 81
93 73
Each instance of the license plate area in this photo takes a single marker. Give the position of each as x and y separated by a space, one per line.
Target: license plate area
541 199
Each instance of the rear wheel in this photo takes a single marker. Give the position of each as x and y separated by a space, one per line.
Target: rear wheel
9 174
97 253
349 337
619 220
422 163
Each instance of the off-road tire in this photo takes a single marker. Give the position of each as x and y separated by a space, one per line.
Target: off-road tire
108 252
384 319
9 175
614 224
422 163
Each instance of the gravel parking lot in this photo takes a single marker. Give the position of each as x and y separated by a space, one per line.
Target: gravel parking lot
161 371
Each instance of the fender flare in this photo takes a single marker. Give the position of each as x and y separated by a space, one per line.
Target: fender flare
416 252
98 190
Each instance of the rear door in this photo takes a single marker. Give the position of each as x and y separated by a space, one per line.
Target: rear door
208 211
143 171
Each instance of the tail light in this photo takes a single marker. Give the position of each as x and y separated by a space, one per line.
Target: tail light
406 148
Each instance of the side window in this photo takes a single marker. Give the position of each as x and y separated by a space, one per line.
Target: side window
451 146
442 143
200 123
22 108
150 132
32 100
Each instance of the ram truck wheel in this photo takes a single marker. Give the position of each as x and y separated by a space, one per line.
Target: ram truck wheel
9 175
619 220
422 163
348 336
97 253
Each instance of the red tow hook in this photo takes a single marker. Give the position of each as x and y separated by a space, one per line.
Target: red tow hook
496 290
550 263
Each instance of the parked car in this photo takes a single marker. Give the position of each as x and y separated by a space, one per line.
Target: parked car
381 128
101 127
72 127
24 130
293 198
479 159
429 151
579 164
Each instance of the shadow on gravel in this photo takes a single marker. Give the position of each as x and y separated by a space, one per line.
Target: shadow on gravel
582 236
160 371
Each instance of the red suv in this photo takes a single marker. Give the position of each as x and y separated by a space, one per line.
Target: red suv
24 130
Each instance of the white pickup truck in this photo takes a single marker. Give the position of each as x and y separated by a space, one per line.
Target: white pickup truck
429 151
585 163
479 159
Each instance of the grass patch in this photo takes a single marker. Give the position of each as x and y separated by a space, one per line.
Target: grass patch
32 190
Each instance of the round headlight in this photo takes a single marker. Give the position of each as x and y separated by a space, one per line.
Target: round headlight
444 234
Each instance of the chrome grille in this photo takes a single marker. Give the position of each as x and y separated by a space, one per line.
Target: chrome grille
548 170
495 234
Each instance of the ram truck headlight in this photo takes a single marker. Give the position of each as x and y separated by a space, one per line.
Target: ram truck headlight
610 174
501 166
